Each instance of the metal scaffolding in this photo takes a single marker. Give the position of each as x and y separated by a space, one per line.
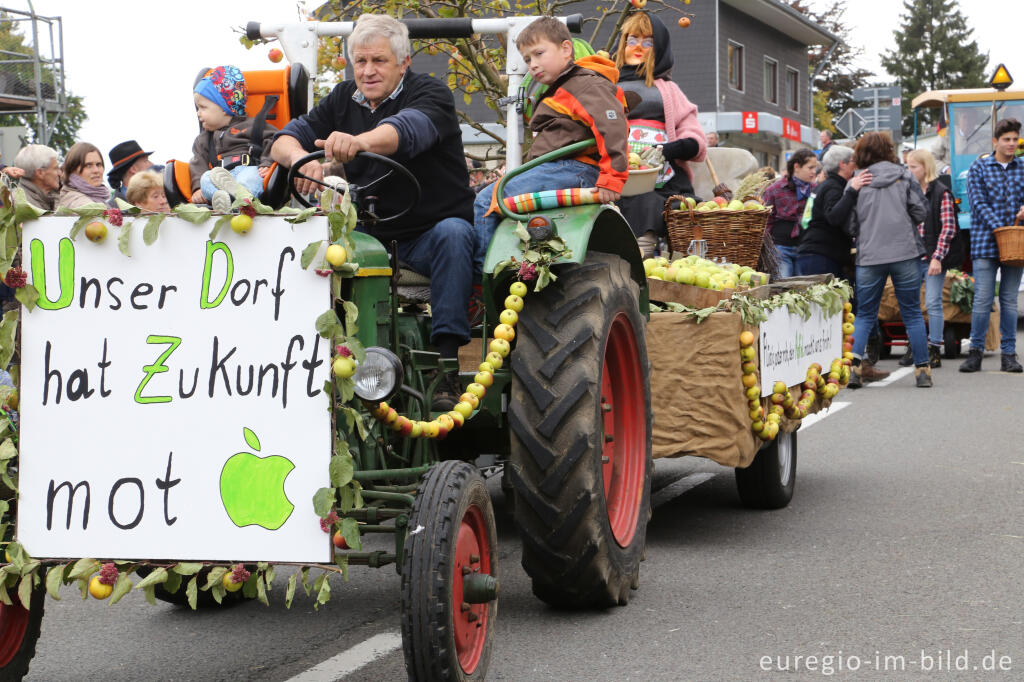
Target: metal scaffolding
32 73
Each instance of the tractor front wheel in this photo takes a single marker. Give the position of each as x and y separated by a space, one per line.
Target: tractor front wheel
580 416
19 632
450 577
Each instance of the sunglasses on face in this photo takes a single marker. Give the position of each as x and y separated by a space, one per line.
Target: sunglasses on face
633 41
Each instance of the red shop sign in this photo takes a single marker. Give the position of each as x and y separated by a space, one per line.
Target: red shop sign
791 129
750 121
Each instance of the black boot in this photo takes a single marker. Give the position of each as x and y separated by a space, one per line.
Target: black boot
907 359
447 393
934 356
973 361
1010 364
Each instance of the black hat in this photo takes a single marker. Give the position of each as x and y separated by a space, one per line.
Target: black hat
121 157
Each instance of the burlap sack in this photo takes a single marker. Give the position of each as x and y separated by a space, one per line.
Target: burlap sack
696 388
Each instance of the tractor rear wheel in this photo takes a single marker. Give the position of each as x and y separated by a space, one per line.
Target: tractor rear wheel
449 577
19 632
581 435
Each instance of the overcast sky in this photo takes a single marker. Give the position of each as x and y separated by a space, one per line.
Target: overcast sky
134 62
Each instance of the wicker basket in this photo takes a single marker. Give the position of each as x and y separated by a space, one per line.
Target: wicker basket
733 235
1010 240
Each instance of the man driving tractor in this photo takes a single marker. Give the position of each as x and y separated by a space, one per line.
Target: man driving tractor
388 109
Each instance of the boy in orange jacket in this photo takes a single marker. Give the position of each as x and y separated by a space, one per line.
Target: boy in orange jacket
582 102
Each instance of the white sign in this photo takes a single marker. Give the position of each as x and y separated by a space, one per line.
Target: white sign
172 402
790 344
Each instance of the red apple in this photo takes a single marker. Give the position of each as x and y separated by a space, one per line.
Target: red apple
275 55
684 22
339 540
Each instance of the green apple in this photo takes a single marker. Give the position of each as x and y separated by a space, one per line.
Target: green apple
702 280
659 272
686 275
252 487
649 265
690 202
735 205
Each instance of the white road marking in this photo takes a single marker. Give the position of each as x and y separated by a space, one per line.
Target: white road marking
895 376
674 490
812 419
349 661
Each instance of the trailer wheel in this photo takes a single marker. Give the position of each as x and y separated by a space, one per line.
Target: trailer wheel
449 577
950 342
581 445
769 480
19 632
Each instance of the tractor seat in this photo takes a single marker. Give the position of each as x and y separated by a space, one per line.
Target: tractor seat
412 286
178 184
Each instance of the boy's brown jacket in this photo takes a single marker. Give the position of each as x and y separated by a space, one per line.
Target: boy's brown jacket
585 102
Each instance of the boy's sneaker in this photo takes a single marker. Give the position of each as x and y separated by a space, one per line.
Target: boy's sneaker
221 201
223 179
1010 364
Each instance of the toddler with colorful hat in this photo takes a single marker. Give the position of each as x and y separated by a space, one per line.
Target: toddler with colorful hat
225 155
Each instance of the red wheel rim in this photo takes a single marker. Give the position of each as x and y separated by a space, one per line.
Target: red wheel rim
13 624
472 555
624 455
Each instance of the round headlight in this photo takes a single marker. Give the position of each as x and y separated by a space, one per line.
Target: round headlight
379 376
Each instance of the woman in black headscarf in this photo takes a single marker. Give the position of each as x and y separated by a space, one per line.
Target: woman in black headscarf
659 114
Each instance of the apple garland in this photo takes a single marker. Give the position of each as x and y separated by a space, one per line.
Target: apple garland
765 425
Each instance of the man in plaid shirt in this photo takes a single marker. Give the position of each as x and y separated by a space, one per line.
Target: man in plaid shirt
995 189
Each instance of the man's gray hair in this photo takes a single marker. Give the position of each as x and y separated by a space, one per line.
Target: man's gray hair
372 27
34 157
835 156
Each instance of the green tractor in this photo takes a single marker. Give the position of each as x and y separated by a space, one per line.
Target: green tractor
568 418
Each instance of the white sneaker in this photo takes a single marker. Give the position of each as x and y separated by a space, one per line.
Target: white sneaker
221 201
223 179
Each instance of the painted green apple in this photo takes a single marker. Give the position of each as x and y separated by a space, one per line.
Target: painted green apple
252 487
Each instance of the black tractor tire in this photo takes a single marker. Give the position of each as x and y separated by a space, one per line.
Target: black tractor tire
451 536
769 481
19 632
582 546
950 342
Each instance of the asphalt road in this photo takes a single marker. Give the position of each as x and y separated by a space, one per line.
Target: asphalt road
905 540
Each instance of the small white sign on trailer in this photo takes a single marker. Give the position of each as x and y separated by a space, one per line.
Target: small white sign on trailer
790 344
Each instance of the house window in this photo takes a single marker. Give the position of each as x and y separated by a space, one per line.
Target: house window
793 89
771 81
735 65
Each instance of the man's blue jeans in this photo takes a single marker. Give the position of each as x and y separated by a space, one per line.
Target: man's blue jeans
906 280
444 253
787 260
984 292
562 174
933 285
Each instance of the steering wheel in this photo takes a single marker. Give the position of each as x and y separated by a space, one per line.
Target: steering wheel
359 192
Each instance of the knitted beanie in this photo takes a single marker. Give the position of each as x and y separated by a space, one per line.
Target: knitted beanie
225 85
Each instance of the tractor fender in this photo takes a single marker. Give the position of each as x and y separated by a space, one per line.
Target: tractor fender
582 228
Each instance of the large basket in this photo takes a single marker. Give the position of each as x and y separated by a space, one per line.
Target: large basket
733 235
1010 240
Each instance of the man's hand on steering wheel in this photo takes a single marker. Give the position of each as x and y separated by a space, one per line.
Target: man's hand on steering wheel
342 147
314 169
